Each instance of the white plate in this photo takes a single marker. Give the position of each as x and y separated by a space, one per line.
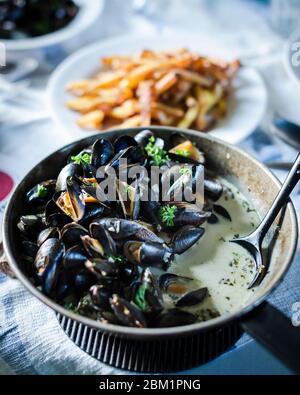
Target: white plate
247 103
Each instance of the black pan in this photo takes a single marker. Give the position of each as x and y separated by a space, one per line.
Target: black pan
177 348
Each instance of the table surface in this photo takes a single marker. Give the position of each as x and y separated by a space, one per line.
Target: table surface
24 126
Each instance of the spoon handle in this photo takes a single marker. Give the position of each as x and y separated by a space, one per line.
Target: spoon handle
280 200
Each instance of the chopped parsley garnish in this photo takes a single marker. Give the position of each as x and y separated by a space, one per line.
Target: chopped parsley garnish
41 191
158 155
116 258
167 214
183 152
185 171
139 298
83 158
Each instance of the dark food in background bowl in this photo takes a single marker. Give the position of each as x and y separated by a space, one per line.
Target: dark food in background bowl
108 260
32 18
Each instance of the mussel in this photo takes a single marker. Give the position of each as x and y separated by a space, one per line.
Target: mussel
127 313
148 253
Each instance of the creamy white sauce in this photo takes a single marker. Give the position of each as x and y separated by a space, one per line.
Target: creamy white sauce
223 267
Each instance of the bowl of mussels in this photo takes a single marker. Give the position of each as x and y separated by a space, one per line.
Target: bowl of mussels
128 233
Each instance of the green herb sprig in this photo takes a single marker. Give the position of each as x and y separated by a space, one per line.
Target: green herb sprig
139 298
183 152
83 158
41 191
158 155
167 214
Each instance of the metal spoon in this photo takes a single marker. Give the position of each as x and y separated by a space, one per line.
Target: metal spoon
253 242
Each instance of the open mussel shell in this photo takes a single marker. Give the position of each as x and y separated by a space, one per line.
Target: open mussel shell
67 172
174 317
93 247
181 146
105 239
173 283
192 298
71 234
142 138
127 313
148 253
75 257
70 201
103 269
52 265
129 199
185 238
37 196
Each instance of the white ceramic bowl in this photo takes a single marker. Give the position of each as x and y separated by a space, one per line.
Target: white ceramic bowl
65 38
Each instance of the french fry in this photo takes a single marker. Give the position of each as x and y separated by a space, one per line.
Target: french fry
165 83
92 120
126 110
178 88
189 117
131 122
145 94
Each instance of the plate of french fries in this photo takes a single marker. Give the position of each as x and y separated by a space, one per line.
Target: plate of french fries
167 81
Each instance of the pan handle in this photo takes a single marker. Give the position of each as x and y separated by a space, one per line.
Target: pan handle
275 332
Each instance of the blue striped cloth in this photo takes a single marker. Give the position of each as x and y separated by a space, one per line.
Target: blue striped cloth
32 342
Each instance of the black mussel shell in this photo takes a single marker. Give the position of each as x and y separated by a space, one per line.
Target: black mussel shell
93 247
212 189
58 220
84 279
103 269
185 238
48 251
36 196
100 296
29 248
129 272
92 211
221 211
47 234
102 152
192 298
70 170
142 138
127 313
213 219
148 253
53 267
31 224
104 237
174 317
71 234
172 283
75 258
124 229
123 142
